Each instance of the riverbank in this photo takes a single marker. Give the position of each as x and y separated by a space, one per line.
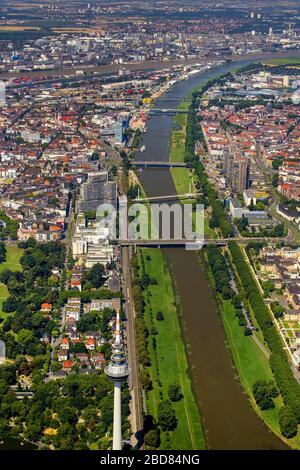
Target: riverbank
250 360
283 61
181 176
169 364
247 370
228 419
278 360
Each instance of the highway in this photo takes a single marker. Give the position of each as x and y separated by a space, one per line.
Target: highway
136 407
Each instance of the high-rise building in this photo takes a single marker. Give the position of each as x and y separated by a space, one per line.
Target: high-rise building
2 93
243 174
228 165
236 169
121 126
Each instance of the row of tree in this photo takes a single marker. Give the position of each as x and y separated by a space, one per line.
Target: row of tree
166 417
10 227
2 252
222 278
220 272
193 134
285 380
140 324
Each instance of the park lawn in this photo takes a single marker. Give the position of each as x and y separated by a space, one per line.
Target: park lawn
184 105
177 140
177 146
182 177
295 325
290 334
208 231
181 119
168 360
283 61
3 297
146 217
182 180
258 331
13 255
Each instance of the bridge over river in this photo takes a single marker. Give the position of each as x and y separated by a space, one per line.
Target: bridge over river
158 164
179 243
228 419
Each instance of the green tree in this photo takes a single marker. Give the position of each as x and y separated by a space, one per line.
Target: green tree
152 438
174 392
25 337
68 415
166 416
145 380
96 275
159 316
287 422
78 348
264 392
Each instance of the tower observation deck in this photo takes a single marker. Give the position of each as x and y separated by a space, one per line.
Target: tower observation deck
118 371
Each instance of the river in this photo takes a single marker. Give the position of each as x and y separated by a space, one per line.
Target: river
228 418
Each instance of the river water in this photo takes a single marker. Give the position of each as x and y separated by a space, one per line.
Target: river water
228 418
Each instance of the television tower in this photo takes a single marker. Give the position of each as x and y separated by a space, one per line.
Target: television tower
118 371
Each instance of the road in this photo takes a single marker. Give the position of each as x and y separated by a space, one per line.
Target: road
247 315
293 230
275 321
134 379
196 243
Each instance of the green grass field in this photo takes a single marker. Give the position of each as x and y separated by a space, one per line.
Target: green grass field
181 176
177 142
208 231
182 180
283 61
168 360
13 255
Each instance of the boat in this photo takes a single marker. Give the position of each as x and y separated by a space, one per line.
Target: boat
143 148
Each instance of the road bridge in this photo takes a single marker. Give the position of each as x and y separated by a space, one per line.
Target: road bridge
167 111
171 242
167 198
158 164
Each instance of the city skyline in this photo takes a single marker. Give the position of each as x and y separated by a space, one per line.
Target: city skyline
149 229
